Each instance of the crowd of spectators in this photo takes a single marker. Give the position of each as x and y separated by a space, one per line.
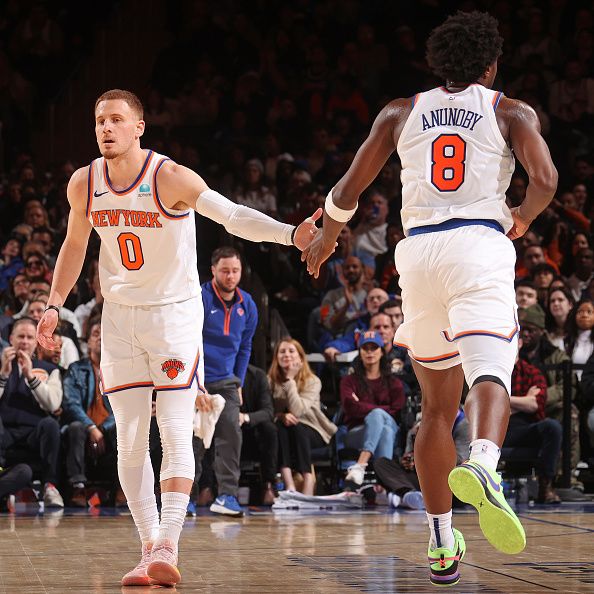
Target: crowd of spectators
272 118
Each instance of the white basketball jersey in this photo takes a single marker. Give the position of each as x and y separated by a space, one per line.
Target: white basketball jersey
148 252
455 162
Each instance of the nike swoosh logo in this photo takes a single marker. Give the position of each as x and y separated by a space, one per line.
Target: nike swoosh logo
97 195
486 475
213 311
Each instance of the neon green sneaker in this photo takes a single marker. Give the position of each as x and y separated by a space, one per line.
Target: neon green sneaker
473 483
443 563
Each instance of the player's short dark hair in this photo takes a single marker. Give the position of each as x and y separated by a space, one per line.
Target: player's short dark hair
224 252
461 48
130 98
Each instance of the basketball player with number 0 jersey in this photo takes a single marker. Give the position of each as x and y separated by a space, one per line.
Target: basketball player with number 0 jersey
456 144
142 206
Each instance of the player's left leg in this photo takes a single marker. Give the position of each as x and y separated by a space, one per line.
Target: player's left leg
435 457
175 414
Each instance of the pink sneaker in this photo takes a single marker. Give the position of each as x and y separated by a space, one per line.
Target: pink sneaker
138 576
162 568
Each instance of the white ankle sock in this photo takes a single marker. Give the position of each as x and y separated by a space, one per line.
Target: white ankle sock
146 518
441 530
173 514
485 452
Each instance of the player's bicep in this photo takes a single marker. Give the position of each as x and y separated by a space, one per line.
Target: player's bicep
79 227
179 186
372 154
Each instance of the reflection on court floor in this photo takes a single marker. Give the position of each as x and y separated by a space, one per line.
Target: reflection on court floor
369 551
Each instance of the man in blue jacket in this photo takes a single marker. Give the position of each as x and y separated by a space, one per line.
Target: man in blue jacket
91 424
230 319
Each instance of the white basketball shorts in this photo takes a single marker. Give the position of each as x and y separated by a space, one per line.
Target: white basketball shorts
156 346
457 284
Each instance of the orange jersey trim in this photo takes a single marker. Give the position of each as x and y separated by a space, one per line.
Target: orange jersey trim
90 189
506 337
160 207
435 359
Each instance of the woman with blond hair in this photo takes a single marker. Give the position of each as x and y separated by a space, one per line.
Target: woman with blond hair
302 426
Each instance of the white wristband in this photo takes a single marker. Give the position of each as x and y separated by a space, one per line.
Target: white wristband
338 214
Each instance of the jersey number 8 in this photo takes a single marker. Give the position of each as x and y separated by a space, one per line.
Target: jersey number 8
130 251
448 155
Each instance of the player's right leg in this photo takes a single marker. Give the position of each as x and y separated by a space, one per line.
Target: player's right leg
435 457
132 411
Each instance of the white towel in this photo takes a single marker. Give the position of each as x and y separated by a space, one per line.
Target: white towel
204 423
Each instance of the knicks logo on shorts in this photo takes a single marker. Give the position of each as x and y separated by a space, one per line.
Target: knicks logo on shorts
172 368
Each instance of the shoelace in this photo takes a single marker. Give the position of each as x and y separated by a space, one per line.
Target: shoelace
164 552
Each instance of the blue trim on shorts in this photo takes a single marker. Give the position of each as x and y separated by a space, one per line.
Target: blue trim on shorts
455 224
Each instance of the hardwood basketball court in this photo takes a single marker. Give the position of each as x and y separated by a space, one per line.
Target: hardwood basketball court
293 552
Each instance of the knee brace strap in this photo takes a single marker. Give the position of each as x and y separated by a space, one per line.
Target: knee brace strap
489 378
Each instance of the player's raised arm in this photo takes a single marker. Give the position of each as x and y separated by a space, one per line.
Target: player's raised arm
533 153
191 191
70 258
341 202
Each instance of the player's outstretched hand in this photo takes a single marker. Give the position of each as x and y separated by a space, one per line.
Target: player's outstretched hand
307 230
316 253
45 329
520 226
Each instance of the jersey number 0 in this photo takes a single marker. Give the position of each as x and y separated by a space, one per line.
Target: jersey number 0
448 155
130 251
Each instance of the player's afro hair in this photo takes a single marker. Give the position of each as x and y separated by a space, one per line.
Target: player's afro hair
462 48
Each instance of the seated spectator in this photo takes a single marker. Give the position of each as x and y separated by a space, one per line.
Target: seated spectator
11 262
579 342
12 480
302 426
253 192
369 236
560 305
91 431
399 477
348 342
342 306
587 403
533 255
83 311
529 427
30 393
260 435
542 277
15 298
36 267
584 267
526 293
385 268
371 398
393 307
400 363
539 352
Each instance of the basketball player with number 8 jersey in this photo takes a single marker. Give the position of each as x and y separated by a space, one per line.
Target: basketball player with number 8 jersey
456 267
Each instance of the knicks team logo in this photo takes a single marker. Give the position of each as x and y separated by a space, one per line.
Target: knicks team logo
172 368
144 190
240 311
